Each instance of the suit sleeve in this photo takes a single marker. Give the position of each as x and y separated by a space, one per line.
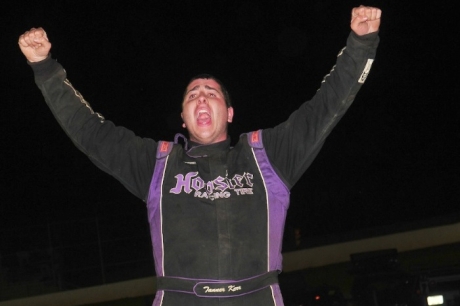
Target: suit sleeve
116 150
293 145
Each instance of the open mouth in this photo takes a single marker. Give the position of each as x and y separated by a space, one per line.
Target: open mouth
203 117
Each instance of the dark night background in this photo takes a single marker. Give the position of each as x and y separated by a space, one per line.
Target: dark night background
392 159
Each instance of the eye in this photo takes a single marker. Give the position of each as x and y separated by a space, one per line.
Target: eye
192 96
212 94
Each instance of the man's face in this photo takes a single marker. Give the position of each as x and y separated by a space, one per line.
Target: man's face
205 112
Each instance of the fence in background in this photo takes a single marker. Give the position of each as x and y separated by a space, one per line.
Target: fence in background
75 254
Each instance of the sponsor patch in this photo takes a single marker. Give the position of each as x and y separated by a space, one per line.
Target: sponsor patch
164 146
255 137
366 70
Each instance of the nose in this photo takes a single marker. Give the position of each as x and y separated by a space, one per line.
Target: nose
202 99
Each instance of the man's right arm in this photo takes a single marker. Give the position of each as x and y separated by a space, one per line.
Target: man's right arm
115 150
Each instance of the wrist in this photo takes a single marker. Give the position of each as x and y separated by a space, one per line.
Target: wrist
38 59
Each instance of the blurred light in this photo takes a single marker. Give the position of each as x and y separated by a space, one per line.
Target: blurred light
317 297
435 300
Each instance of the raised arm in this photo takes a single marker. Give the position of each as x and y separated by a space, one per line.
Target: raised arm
293 145
115 150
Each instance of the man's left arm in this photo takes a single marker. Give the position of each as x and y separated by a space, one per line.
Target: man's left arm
293 145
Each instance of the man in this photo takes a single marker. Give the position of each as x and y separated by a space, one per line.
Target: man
216 212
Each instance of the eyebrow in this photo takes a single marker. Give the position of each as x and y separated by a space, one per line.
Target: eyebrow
205 86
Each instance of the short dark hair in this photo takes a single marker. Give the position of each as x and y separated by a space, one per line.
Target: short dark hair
227 99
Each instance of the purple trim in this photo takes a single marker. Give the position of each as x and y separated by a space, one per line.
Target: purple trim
158 301
278 202
154 205
215 281
277 295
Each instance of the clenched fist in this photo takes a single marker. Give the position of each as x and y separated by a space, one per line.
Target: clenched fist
365 19
34 45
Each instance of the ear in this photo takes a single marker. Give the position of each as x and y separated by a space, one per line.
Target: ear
182 116
230 113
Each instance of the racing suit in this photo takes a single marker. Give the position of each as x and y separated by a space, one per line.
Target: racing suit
216 212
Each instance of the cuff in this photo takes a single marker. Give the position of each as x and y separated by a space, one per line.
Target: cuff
45 68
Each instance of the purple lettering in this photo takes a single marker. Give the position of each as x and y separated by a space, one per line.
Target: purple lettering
210 187
248 177
183 183
229 183
220 184
197 183
237 179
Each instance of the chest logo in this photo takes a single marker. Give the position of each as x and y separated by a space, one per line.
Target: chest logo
220 187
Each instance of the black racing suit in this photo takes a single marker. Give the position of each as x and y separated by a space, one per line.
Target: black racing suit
216 212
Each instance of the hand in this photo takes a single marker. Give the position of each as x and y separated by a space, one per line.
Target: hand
34 45
365 19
